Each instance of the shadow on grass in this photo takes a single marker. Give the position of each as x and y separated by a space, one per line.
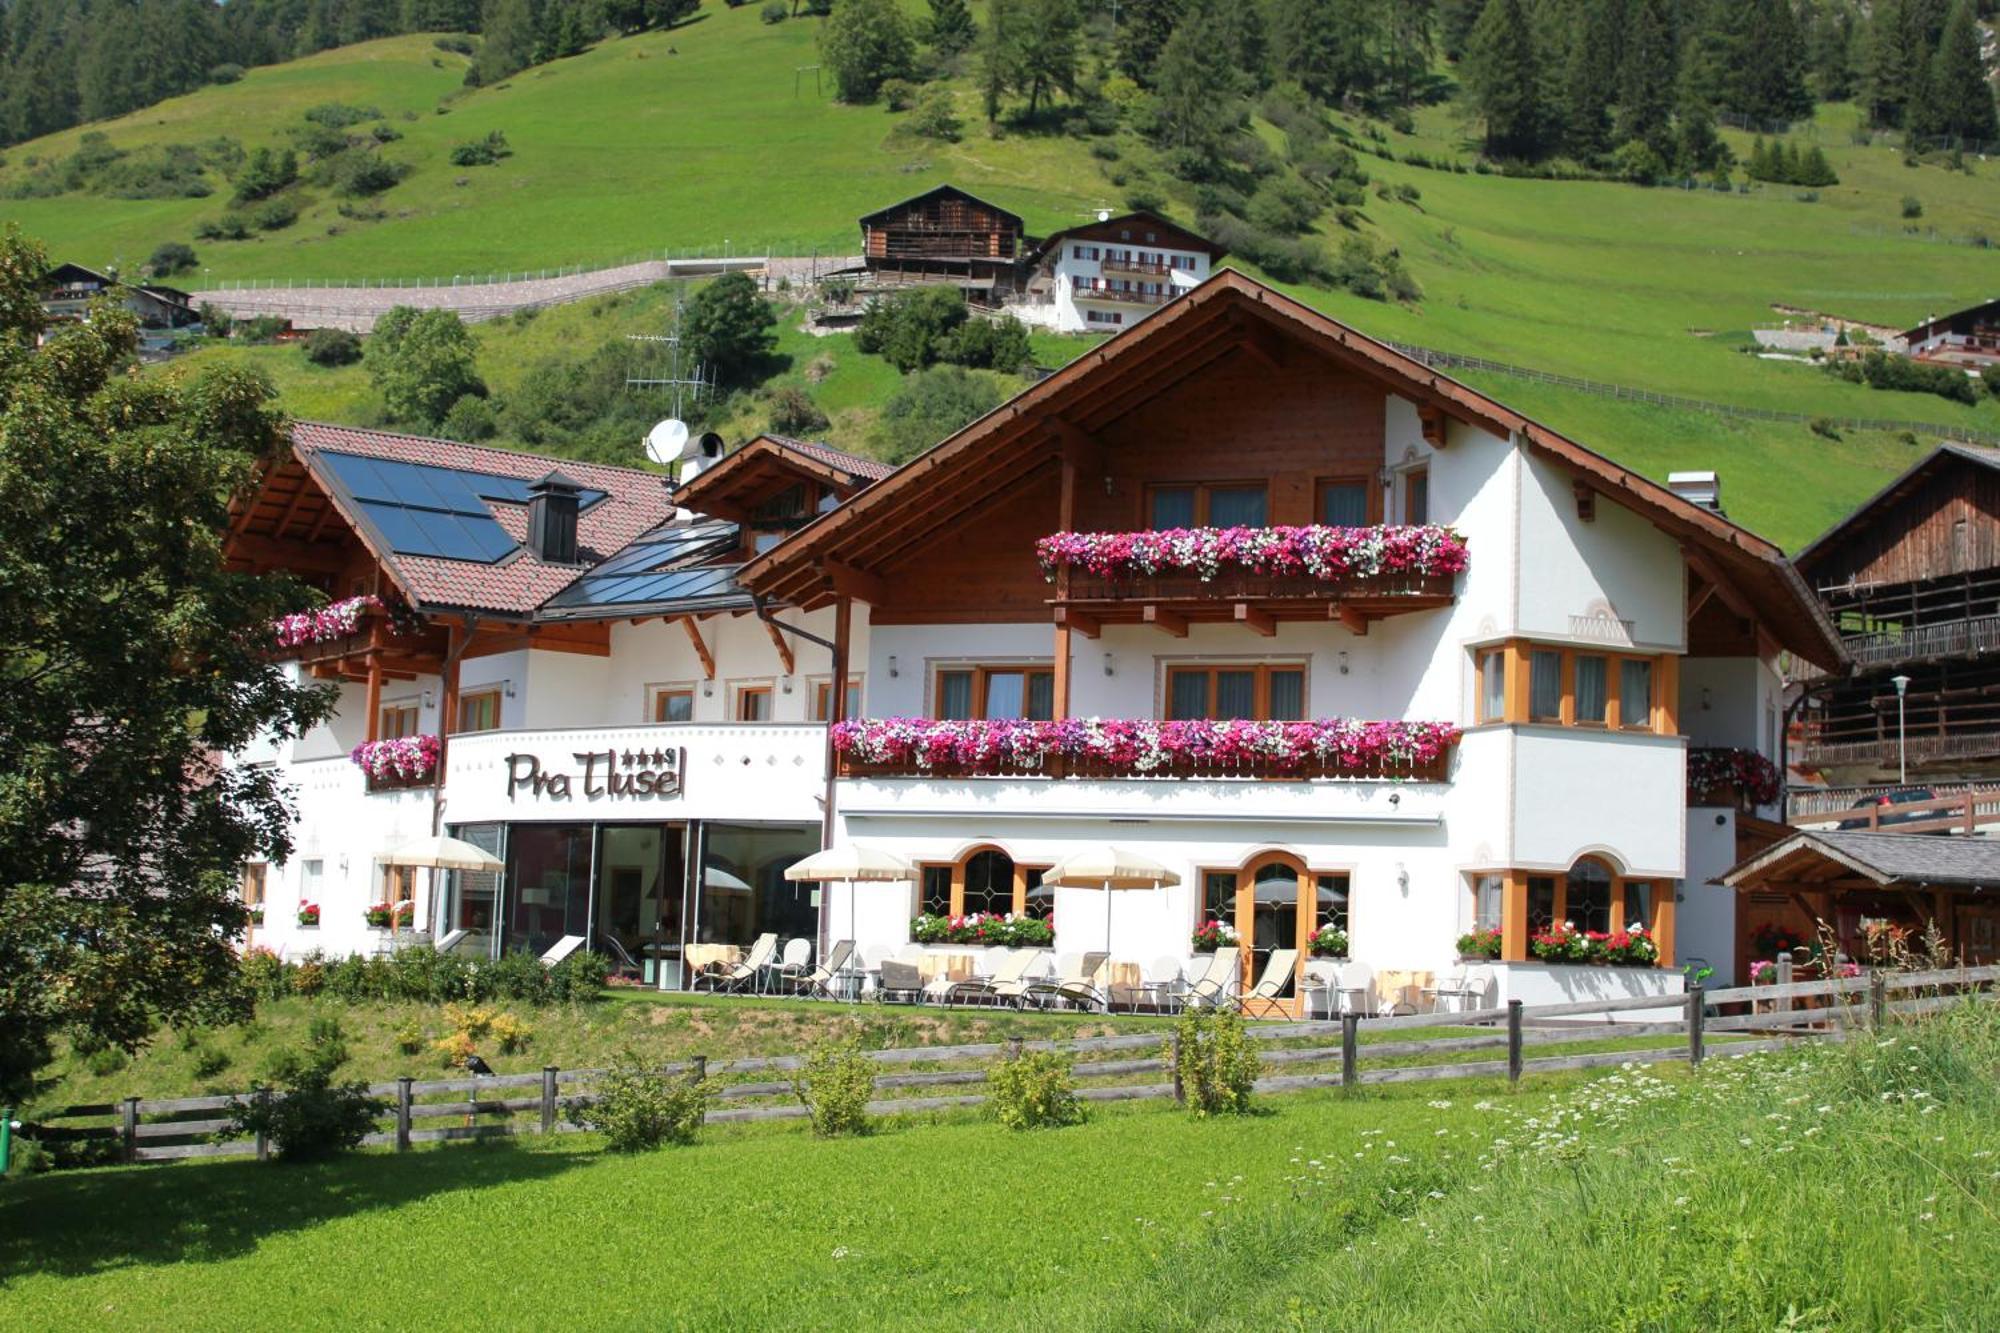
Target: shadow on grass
73 1224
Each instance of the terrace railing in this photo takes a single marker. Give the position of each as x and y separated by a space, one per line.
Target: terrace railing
1056 767
1129 1067
1237 586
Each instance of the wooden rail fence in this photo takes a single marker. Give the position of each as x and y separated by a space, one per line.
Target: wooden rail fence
169 1129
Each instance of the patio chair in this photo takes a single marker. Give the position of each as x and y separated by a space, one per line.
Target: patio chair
1092 990
562 949
1042 990
1212 987
820 980
898 979
623 964
1015 992
1271 987
1163 979
1478 987
739 976
795 963
1357 989
1449 988
1013 967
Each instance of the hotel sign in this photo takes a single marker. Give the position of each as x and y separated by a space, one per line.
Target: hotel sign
617 774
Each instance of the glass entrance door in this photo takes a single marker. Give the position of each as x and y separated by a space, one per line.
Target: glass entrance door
548 882
641 872
743 892
1276 903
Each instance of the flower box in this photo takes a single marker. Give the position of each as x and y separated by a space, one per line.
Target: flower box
983 928
1480 945
383 917
1564 943
406 761
1212 935
309 915
1731 776
256 915
1117 748
341 620
1328 942
1326 554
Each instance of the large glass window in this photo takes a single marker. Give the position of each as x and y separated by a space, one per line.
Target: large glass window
1231 693
989 883
1592 683
641 883
1172 507
1545 685
548 880
996 693
744 892
1190 505
470 898
1588 894
1236 507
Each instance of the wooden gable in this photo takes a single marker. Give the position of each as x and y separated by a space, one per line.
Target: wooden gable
1940 518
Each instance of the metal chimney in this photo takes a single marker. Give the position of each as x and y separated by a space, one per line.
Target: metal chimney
552 519
1700 488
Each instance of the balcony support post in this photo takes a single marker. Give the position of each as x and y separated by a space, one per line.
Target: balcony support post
458 638
1258 621
1514 917
1065 522
374 704
1165 621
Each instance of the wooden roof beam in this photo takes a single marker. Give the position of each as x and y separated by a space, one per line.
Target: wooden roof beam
1167 622
1082 622
1079 446
700 646
1356 623
784 649
1259 622
859 584
1137 385
1699 562
943 507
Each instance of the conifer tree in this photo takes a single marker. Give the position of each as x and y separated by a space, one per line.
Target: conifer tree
951 29
1956 100
1504 74
1590 82
1144 28
1647 79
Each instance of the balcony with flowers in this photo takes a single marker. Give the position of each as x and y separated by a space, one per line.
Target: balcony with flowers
1255 575
398 764
1731 777
355 627
1117 748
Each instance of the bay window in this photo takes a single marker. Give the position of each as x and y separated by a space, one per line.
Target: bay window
1577 687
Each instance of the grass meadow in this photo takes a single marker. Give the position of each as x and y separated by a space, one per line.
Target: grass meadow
1827 1187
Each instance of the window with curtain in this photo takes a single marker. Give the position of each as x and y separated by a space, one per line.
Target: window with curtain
996 693
1592 681
1493 685
1236 507
1193 505
954 695
1417 497
1589 897
1231 693
1343 503
673 705
1173 507
823 700
398 720
479 711
1545 685
254 875
1488 893
1635 694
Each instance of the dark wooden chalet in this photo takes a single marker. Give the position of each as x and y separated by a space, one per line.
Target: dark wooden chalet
1968 337
944 235
1912 580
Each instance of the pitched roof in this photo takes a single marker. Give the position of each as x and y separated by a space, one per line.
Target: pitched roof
1898 489
935 190
1029 426
1191 240
872 469
1898 859
517 582
1925 329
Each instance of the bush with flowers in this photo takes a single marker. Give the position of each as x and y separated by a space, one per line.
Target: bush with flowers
1214 934
1328 941
1142 745
1478 943
1316 552
1718 768
410 758
1564 943
309 914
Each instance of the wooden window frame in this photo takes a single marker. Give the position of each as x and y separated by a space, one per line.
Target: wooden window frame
255 883
383 731
493 692
982 674
822 697
740 694
1662 714
1514 905
1261 687
1410 479
1202 492
957 868
1369 488
404 877
659 694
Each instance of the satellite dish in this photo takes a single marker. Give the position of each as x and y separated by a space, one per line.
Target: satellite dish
665 441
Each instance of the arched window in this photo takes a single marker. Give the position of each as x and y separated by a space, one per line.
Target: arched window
986 880
989 884
1588 900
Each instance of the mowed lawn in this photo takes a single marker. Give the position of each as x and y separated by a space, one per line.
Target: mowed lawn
1847 1187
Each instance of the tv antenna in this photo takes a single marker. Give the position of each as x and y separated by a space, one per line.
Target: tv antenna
688 385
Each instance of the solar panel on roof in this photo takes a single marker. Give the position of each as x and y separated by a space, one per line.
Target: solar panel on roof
655 568
454 490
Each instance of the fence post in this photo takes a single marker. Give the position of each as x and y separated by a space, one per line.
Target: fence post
698 1066
264 1135
1784 1005
403 1113
548 1099
1696 1014
1350 1043
1513 1041
1878 998
128 1129
1180 1092
1013 1048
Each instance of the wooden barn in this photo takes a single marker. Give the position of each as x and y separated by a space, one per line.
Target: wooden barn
944 235
1912 580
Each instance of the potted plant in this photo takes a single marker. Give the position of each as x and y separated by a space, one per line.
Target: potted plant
256 914
1563 943
1328 941
309 915
928 929
1631 947
384 917
1476 943
1212 935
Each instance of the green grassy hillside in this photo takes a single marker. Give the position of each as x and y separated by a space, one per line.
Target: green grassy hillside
697 138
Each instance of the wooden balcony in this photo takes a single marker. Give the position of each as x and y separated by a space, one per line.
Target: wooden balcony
395 782
1064 767
1257 601
1083 292
1134 268
403 655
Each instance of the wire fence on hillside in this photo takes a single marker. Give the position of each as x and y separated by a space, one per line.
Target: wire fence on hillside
725 249
1456 361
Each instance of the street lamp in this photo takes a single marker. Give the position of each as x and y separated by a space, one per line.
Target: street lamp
1902 684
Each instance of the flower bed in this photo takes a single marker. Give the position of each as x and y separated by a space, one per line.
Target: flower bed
404 759
1479 944
1631 947
1142 746
989 928
1212 935
1318 552
1716 769
1329 942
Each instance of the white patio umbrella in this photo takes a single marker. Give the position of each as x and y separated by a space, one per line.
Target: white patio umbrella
434 853
1110 869
853 864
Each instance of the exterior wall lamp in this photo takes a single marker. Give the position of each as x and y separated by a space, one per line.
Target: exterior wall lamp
893 673
1108 660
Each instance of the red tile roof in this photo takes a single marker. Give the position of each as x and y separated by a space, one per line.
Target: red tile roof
634 502
856 464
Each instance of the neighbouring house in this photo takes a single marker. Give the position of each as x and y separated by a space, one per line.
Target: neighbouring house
944 236
1912 580
69 290
1969 337
1352 652
1107 274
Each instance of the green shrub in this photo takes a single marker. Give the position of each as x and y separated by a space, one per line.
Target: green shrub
332 347
929 406
793 412
171 258
209 1061
311 1116
989 344
228 227
637 1108
358 173
776 11
262 329
339 115
898 94
1216 1063
264 973
1145 199
935 116
481 152
225 73
1990 377
410 1038
456 44
834 1086
1913 207
1824 428
267 171
106 1061
274 214
470 419
1035 1091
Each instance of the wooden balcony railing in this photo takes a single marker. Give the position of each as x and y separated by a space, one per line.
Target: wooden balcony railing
1246 587
1063 766
1135 267
1089 292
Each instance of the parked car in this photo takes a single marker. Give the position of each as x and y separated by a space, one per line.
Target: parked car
1900 796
